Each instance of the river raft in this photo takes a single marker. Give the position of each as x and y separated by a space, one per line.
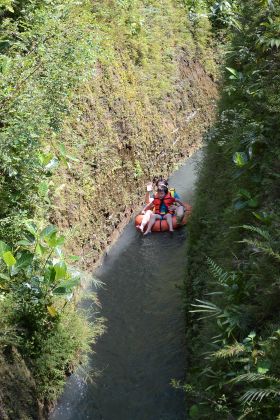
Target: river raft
161 225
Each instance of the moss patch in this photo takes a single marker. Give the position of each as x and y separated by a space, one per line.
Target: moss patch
145 110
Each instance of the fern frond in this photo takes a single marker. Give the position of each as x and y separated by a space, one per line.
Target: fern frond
259 394
206 307
218 273
258 230
229 351
255 377
247 412
263 247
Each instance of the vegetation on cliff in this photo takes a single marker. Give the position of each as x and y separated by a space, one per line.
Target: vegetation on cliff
145 108
95 98
232 285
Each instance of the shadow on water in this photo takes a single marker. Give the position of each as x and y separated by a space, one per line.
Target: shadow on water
143 348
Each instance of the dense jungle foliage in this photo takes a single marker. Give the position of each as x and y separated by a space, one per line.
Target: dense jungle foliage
47 50
232 286
95 98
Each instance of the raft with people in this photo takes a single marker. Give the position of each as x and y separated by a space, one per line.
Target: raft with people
164 211
162 225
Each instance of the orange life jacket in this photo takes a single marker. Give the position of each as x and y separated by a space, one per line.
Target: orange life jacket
168 200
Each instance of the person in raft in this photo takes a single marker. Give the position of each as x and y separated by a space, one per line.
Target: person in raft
149 198
178 209
163 208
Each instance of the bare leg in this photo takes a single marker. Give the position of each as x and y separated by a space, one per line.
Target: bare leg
168 218
145 219
152 220
179 214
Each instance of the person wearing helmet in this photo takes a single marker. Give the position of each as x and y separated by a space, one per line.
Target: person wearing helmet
162 204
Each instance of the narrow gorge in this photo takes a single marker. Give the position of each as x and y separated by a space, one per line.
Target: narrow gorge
98 98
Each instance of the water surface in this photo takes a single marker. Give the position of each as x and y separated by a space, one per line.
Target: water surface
143 348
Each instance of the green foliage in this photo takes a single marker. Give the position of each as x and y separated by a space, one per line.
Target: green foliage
6 5
91 94
200 18
232 314
225 13
37 296
73 336
42 52
47 50
35 276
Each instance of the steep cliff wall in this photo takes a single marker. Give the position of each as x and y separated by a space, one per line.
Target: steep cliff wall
145 109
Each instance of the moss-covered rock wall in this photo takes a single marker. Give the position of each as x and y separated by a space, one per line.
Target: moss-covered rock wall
145 109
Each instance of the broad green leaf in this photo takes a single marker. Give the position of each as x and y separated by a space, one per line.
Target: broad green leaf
263 216
31 227
48 231
244 193
43 188
70 283
252 335
23 262
40 249
65 155
9 258
240 204
66 286
52 240
62 149
3 248
59 252
60 240
60 270
263 366
194 412
52 311
45 158
232 71
240 159
4 277
25 242
253 203
50 274
60 290
234 74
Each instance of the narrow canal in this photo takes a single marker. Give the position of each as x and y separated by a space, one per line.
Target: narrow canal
143 348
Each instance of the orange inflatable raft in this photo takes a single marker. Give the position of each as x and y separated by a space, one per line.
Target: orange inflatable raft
161 225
